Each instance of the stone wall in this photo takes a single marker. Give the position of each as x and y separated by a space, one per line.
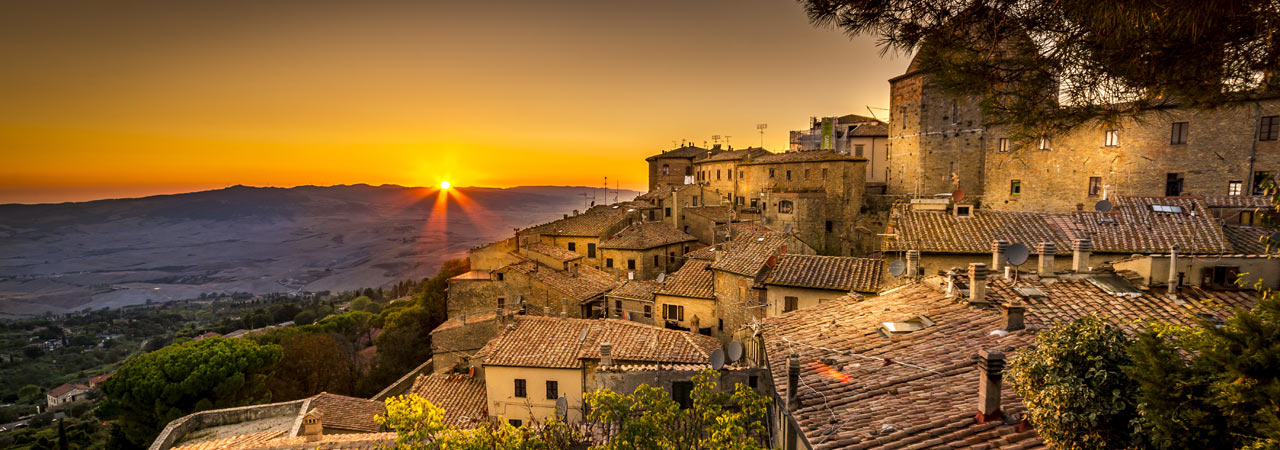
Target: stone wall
625 381
179 428
668 260
453 345
831 191
932 135
677 168
737 302
493 255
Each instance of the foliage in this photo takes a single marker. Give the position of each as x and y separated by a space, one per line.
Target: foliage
419 425
1074 386
153 389
649 418
306 317
310 363
365 304
1110 59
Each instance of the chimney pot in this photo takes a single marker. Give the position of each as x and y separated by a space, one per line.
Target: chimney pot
997 254
546 311
312 427
564 308
1046 251
1081 250
1173 270
990 372
606 354
1014 312
793 382
978 283
913 263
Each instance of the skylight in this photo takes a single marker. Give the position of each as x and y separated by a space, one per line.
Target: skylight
1167 209
888 329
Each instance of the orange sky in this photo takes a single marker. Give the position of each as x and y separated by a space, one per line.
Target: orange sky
108 99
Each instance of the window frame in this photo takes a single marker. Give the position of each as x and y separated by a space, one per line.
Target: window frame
1095 186
1178 133
520 388
1015 187
1002 145
1235 187
1269 128
790 303
1111 138
553 389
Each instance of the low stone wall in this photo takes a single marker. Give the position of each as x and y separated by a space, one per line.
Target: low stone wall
217 417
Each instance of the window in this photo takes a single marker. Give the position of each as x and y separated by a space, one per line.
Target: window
720 324
573 247
666 169
515 422
740 200
1173 185
520 388
553 390
1235 188
1167 209
790 304
655 260
770 173
682 393
806 174
730 173
824 173
608 262
673 312
695 200
1260 181
788 175
501 276
688 170
1095 186
648 311
755 203
1044 144
785 207
631 264
686 228
1246 218
591 250
753 381
857 149
1111 139
1002 145
829 226
502 302
1178 135
1269 128
1015 187
717 174
617 306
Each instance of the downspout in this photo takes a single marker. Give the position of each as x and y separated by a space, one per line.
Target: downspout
1253 148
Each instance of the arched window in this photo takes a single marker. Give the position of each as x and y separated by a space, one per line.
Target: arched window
785 207
666 169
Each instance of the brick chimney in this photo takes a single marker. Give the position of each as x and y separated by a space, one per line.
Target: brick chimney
546 311
312 428
606 354
913 263
1046 251
564 308
1173 270
990 371
1013 312
1081 250
997 254
951 283
793 382
978 283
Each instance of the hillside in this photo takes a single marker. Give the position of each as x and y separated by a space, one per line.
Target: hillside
110 253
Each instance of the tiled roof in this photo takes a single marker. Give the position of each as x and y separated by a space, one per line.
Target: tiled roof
66 388
347 441
707 253
462 397
748 227
683 152
692 280
100 378
734 155
642 290
347 413
557 253
471 275
251 440
597 221
1248 240
747 253
718 214
1132 226
587 283
645 235
551 342
661 192
1237 201
827 272
804 156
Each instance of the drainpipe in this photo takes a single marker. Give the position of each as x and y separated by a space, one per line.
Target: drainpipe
1253 147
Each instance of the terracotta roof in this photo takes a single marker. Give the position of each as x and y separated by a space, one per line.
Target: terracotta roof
707 253
642 290
455 322
748 227
646 235
550 342
870 128
100 378
693 279
1132 226
1237 201
462 397
661 192
347 413
800 157
718 214
66 388
557 253
694 152
587 283
597 221
827 272
734 155
472 275
747 253
1248 240
274 440
244 441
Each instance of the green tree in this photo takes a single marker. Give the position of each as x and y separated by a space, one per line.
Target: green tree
158 387
30 393
419 425
306 317
1074 386
366 304
649 418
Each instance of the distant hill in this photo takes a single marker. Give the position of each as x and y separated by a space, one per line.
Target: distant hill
110 253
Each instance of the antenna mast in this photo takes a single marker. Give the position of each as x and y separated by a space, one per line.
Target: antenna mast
761 127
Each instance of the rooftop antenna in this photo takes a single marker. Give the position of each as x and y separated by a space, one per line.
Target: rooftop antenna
873 113
726 140
761 127
715 138
616 189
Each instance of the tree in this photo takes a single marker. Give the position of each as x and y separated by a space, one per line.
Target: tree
1046 65
1074 385
649 418
30 393
311 363
153 389
306 317
366 304
419 425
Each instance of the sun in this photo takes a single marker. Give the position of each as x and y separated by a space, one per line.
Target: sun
445 184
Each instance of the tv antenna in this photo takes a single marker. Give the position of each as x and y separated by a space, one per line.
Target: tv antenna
726 140
761 127
715 138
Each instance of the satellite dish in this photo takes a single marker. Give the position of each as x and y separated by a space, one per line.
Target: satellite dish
1275 238
735 351
562 407
1017 253
957 196
1102 205
662 277
786 228
717 359
897 268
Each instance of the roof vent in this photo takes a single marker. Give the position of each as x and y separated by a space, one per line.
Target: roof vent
963 211
889 329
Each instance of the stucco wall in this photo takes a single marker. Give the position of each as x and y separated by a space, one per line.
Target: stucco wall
500 387
806 298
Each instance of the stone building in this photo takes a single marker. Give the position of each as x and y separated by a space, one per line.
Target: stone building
721 171
633 300
643 250
861 136
686 300
737 271
802 281
815 194
66 393
582 233
530 284
675 167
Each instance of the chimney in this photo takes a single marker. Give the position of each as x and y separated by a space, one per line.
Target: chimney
1080 252
990 371
1046 250
997 254
1173 270
951 283
913 263
978 283
1013 313
564 308
575 213
793 382
606 354
312 429
546 311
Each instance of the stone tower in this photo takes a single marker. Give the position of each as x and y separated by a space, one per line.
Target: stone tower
933 136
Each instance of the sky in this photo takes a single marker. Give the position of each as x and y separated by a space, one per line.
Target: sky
132 98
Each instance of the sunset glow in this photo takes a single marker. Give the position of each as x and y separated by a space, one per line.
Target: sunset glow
445 185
